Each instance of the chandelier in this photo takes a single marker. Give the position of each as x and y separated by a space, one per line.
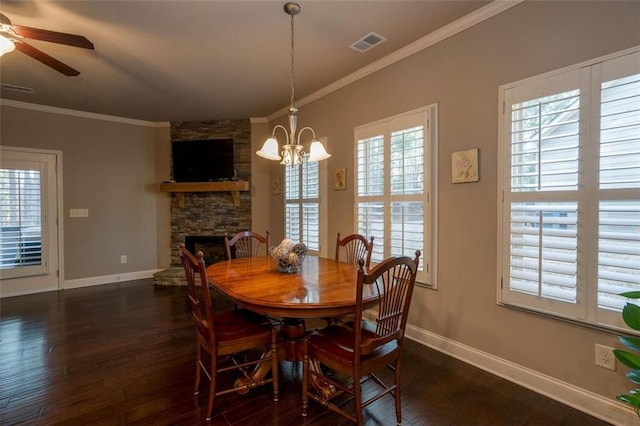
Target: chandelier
292 152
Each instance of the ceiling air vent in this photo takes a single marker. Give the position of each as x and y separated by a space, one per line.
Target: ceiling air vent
367 42
15 88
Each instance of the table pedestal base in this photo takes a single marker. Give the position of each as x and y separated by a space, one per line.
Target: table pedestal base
290 349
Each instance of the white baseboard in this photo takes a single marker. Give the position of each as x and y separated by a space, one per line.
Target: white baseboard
108 279
593 404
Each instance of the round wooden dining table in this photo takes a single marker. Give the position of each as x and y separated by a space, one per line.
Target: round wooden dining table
321 288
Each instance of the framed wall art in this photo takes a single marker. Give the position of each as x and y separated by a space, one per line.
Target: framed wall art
464 166
340 179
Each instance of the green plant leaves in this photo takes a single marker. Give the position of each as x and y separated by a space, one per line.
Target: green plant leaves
634 377
631 399
627 358
631 317
631 314
632 343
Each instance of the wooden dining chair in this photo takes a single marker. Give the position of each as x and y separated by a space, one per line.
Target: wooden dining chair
360 348
246 244
224 335
355 247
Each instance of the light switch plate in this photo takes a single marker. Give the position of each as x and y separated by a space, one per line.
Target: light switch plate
78 212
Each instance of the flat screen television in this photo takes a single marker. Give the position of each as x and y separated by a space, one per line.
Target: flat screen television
207 160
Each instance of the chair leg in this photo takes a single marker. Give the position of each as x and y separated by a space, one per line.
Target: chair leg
198 360
397 393
305 379
357 398
275 365
213 372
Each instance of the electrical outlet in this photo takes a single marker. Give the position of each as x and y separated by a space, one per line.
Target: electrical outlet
605 357
123 258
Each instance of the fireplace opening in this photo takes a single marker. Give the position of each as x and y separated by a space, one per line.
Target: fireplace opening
212 247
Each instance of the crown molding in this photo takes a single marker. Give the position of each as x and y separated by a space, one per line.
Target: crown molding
82 114
492 9
258 120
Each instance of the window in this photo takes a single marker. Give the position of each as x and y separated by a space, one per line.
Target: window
395 198
302 204
570 190
20 220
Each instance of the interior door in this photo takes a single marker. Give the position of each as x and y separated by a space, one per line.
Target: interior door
29 250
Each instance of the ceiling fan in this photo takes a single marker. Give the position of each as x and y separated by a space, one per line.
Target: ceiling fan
12 37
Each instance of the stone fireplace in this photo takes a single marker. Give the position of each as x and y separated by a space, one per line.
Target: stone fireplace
204 217
211 247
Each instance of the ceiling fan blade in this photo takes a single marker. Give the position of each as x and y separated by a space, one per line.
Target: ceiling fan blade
53 36
39 55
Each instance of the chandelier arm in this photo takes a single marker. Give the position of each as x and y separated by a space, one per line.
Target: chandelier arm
281 127
302 130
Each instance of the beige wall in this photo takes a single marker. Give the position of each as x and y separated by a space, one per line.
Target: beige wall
113 170
462 75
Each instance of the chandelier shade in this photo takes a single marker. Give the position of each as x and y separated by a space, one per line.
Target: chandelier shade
317 152
270 150
6 45
292 152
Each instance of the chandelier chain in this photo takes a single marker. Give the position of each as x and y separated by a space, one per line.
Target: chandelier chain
292 78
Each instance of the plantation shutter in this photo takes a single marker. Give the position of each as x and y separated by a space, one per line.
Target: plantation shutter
570 223
391 199
302 204
370 185
619 181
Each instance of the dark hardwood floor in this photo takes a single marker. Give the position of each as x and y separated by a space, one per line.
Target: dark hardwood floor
124 354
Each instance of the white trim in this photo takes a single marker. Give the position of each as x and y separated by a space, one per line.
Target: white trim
109 279
490 10
82 114
586 401
569 68
258 120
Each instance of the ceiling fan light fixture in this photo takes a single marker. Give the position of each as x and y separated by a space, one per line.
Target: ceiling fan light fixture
6 45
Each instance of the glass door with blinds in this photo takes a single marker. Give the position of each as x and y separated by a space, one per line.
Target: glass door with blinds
28 228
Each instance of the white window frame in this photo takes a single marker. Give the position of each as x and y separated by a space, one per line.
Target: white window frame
322 208
587 77
427 118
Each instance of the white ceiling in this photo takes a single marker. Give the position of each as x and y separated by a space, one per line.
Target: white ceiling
203 60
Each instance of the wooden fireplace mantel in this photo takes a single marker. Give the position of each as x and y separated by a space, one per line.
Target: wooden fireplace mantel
234 187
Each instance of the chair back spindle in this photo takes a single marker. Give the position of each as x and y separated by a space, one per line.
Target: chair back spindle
355 247
246 244
392 281
199 294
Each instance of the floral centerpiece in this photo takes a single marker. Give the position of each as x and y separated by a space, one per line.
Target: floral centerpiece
288 256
